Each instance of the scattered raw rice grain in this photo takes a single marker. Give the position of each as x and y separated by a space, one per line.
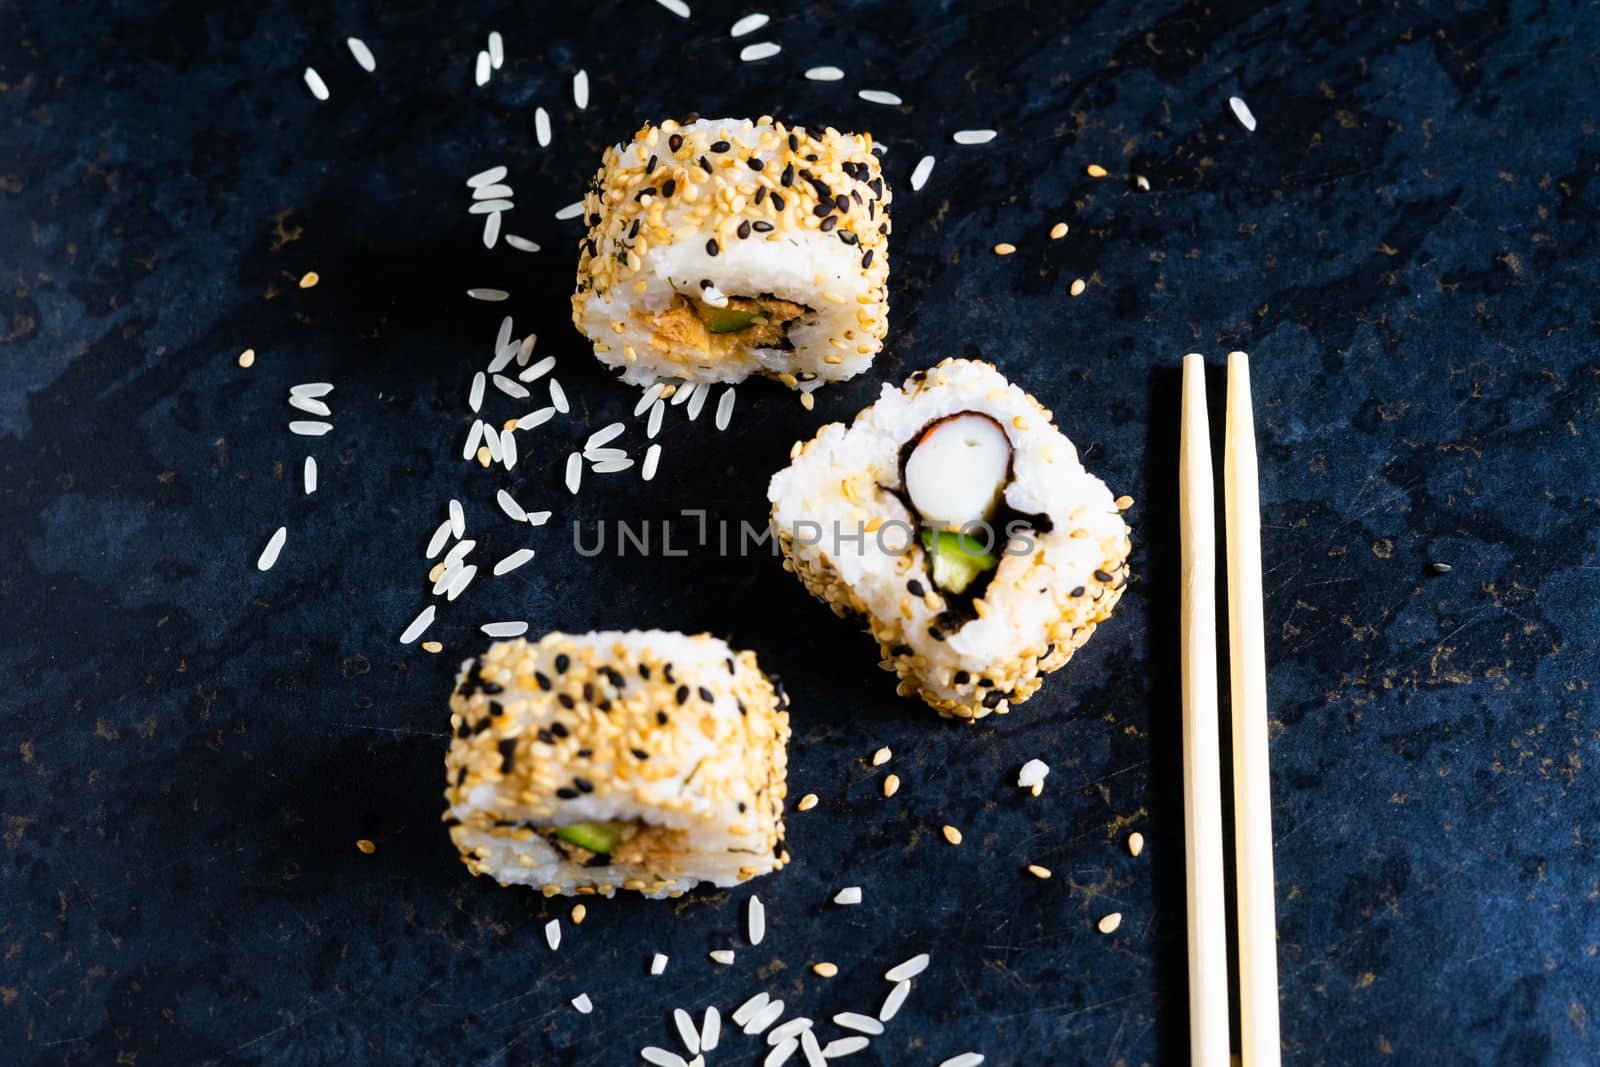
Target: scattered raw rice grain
711 1029
521 244
511 387
1058 231
697 402
812 1050
892 1002
613 466
508 504
314 82
650 1054
552 934
574 472
748 24
247 358
558 397
891 785
882 756
658 411
363 54
1135 843
649 397
434 647
966 1059
677 7
480 74
1004 249
539 518
1033 771
458 518
952 835
583 1003
493 296
688 1033
747 1011
311 389
418 625
781 1054
973 136
365 846
652 460
850 894
459 551
601 455
497 49
504 629
609 432
824 74
513 561
791 1029
1078 286
757 919
658 964
269 555
1095 170
525 349
541 133
919 175
308 428
440 536
725 408
580 89
752 53
475 393
844 1046
309 405
825 969
1241 111
807 802
854 1020
764 1018
491 228
489 207
1109 924
722 955
487 177
879 96
1038 871
908 969
474 439
309 476
684 393
538 370
1436 567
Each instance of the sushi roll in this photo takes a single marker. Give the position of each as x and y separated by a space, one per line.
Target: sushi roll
722 248
958 522
643 760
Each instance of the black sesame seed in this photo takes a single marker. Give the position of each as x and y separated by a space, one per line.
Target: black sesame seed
546 736
483 724
585 753
811 158
559 729
661 718
900 650
936 633
463 730
993 698
777 202
986 683
794 143
650 167
682 695
705 165
594 220
604 706
639 753
1102 576
451 821
761 226
491 689
731 669
742 709
563 661
461 776
828 223
567 701
707 695
567 794
1079 591
761 194
962 678
584 785
876 185
786 179
675 142
744 229
711 247
496 708
756 164
866 260
720 146
669 187
588 692
705 283
842 202
644 668
633 231
742 808
824 209
666 672
508 753
847 237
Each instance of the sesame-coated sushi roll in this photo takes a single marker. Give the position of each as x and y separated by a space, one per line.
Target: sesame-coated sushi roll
957 520
639 760
723 248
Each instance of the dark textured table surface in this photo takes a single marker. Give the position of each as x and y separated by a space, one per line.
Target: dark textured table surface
1406 245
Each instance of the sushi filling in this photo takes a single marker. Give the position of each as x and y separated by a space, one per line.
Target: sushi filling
954 475
760 322
597 844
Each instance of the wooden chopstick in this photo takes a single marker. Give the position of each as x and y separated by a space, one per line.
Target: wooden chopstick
1247 675
1202 778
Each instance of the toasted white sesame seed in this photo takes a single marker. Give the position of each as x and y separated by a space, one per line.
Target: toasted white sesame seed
419 624
752 53
314 82
1109 924
824 74
269 555
497 49
1032 771
513 561
511 387
541 132
458 519
687 1033
764 1018
711 1029
486 177
538 370
609 432
558 397
725 408
850 894
658 964
757 919
493 296
973 136
1135 843
966 1059
648 398
892 1002
652 460
749 24
650 1054
722 955
521 244
1241 111
311 389
952 834
882 756
844 1046
658 411
879 96
308 428
854 1020
583 1003
574 472
580 89
909 969
480 73
677 7
919 176
552 934
310 476
363 54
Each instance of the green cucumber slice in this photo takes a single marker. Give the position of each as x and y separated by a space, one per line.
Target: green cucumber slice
729 320
601 837
956 560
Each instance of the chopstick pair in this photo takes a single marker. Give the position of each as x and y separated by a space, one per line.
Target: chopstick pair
1202 772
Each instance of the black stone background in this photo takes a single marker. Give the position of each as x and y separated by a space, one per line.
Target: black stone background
1406 246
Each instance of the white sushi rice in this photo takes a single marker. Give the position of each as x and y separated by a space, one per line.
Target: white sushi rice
840 1047
485 207
525 349
764 1018
539 518
418 626
812 1050
309 478
749 24
648 398
609 432
973 136
791 1029
309 428
919 175
684 393
697 402
475 393
491 441
601 455
752 53
437 542
613 466
660 1057
508 449
511 387
879 96
782 1054
269 555
580 89
1241 111
509 505
314 82
311 389
363 54
723 956
895 1000
459 552
541 133
824 74
505 629
749 1009
907 970
521 244
513 561
965 1059
571 211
